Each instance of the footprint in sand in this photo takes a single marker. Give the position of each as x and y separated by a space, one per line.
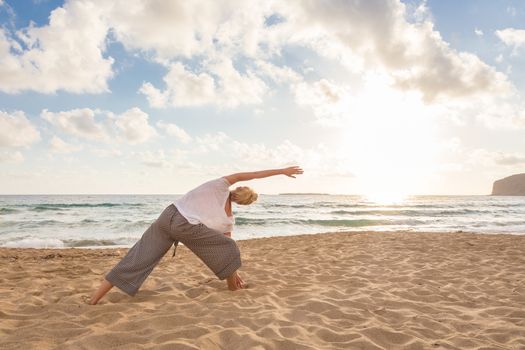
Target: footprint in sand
206 281
194 292
85 299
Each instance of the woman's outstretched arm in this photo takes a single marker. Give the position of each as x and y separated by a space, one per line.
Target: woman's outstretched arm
290 171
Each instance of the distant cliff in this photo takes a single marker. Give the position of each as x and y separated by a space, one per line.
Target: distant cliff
510 186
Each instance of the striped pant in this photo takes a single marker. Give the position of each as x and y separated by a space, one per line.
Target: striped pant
219 252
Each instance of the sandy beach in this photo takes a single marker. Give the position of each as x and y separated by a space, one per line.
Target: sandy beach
364 290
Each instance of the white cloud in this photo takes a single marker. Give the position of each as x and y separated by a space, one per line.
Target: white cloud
307 70
166 28
376 35
178 29
234 88
234 154
66 54
78 122
106 152
155 97
278 74
478 32
468 158
215 35
421 12
496 113
512 37
511 159
16 130
217 52
221 84
11 157
184 88
57 145
134 127
173 159
285 153
175 131
328 100
211 142
490 158
155 159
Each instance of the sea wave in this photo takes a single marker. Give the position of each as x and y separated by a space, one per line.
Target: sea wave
250 221
371 205
41 223
412 212
131 225
314 205
63 206
345 223
74 243
8 223
109 220
33 242
7 211
246 221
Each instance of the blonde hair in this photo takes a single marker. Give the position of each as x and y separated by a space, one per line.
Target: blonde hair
243 195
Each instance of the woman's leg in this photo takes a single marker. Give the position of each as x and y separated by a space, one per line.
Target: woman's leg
129 274
218 252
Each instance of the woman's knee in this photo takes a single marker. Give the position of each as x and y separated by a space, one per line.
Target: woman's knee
233 248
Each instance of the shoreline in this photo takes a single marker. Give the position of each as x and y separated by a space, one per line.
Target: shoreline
342 290
294 235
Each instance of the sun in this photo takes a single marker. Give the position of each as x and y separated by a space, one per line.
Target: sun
390 140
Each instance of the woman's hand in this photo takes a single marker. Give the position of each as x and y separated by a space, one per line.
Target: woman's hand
240 282
235 282
291 171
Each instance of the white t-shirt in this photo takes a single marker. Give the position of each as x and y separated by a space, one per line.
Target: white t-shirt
205 205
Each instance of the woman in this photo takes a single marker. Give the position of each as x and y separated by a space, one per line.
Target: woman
202 219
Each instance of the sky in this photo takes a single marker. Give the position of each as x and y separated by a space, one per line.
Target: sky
383 98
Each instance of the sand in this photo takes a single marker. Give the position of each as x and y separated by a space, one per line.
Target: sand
328 291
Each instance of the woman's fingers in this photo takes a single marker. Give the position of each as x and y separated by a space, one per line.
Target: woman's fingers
239 281
293 170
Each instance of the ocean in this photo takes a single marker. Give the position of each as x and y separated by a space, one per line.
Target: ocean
42 221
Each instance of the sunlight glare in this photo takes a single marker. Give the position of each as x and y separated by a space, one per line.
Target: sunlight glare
386 198
390 141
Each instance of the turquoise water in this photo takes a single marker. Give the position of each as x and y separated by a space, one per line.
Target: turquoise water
119 220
